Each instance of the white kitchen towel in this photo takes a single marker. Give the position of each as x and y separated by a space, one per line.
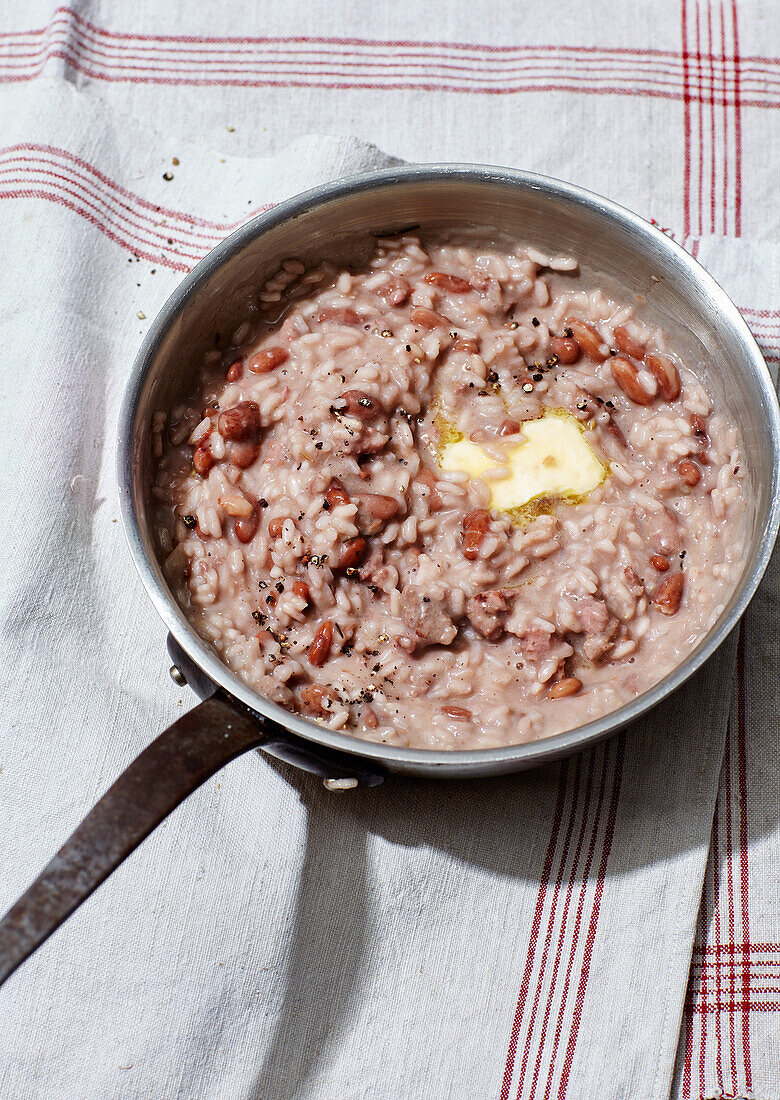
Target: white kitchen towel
514 937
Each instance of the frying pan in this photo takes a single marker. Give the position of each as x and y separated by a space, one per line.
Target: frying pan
336 221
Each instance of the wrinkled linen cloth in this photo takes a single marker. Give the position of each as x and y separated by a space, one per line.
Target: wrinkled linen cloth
608 926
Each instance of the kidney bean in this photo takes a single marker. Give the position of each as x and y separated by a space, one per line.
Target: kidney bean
301 590
670 591
339 315
626 375
242 454
319 650
267 360
448 282
567 350
426 318
241 424
589 339
352 552
475 526
361 406
689 471
660 563
508 427
568 686
235 370
203 459
460 714
465 343
395 291
246 526
666 375
275 527
315 699
428 477
336 493
627 343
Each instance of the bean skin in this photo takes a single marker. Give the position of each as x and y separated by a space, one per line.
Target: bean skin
465 343
453 283
267 360
203 459
689 472
210 411
362 406
589 339
670 590
508 427
568 686
336 494
339 316
301 590
241 424
352 552
567 350
666 375
313 697
475 526
319 650
235 370
395 291
660 563
428 477
627 343
426 318
460 714
626 375
246 527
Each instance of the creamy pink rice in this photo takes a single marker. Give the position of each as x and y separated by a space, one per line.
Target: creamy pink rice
311 537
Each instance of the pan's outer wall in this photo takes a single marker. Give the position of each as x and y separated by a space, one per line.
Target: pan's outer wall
333 221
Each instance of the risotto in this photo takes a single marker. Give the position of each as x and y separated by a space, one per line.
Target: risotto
454 497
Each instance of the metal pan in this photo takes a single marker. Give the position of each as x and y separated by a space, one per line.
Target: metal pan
334 221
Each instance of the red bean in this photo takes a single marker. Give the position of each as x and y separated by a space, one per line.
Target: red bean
315 700
336 493
235 370
590 340
378 506
628 343
660 563
241 424
508 427
465 343
242 454
475 526
669 594
453 283
666 375
426 318
570 685
275 527
352 552
460 714
319 650
370 719
567 350
395 291
428 477
626 375
689 471
210 411
301 590
246 526
362 406
267 360
339 316
203 459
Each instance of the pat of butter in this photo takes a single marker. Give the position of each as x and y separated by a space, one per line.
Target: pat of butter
553 459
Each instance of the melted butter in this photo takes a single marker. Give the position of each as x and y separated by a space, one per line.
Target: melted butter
553 461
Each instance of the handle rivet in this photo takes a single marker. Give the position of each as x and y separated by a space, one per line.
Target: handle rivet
178 676
339 784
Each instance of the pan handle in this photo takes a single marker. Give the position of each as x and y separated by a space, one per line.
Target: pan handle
190 751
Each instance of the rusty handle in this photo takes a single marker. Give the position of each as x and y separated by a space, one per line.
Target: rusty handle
175 764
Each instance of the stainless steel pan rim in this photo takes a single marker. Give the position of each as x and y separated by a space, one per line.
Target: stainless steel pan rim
425 761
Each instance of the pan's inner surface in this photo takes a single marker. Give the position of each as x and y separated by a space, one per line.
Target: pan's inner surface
340 226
